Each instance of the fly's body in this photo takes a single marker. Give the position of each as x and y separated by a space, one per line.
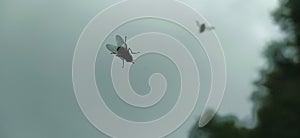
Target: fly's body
203 27
123 53
121 50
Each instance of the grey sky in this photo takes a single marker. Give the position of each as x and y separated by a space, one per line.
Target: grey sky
37 39
244 28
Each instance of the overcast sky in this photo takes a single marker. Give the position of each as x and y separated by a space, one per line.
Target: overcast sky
37 41
244 28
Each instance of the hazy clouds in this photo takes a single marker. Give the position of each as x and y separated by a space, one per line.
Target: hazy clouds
244 28
38 37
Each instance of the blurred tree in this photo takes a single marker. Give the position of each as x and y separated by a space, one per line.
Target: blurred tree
277 99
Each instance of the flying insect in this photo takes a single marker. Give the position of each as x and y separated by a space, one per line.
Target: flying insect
121 50
203 27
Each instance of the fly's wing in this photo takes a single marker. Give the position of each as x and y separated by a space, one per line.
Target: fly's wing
112 48
198 23
120 41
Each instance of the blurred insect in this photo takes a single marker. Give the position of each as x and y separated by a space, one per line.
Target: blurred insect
121 50
203 27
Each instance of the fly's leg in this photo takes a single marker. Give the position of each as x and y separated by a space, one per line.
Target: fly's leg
123 63
132 52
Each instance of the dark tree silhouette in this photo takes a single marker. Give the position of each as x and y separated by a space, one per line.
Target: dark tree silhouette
277 98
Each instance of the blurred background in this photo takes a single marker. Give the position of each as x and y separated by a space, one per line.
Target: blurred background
260 41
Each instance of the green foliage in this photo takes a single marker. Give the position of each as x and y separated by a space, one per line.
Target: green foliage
224 126
278 96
